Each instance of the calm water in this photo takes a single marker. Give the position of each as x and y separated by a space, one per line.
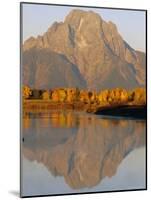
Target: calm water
70 152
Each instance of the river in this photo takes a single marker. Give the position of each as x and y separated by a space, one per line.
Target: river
75 152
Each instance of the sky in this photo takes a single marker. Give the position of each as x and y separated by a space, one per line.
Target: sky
131 24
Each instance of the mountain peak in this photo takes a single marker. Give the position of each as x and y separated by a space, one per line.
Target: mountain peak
96 48
76 15
82 13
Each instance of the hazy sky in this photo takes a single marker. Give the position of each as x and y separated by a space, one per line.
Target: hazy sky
131 24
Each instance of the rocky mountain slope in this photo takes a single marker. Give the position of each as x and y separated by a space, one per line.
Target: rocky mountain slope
98 56
44 69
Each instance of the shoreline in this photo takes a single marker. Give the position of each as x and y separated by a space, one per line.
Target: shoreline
118 110
49 105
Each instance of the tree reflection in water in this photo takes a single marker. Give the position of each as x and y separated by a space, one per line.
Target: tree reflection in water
83 148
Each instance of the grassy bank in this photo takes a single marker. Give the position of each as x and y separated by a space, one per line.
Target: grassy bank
48 105
123 110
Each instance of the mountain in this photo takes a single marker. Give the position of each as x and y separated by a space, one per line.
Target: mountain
95 49
44 69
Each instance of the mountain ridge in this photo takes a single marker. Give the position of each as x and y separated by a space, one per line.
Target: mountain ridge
96 48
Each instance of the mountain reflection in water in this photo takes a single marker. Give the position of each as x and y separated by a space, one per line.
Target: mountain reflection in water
83 148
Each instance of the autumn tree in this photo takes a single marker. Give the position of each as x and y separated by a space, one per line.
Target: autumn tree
84 96
130 96
26 92
46 95
55 96
139 96
72 94
124 96
62 95
117 95
93 98
103 96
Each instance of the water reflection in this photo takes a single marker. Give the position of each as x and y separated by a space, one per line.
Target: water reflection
83 148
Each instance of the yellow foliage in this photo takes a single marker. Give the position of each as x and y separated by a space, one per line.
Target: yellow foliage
71 94
124 96
93 98
103 96
139 96
113 96
46 95
62 95
55 96
26 92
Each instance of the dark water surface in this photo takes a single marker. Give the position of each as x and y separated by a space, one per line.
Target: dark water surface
70 152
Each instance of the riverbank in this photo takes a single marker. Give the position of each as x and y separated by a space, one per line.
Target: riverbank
33 105
134 111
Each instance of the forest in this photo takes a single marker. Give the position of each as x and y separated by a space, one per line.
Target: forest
116 96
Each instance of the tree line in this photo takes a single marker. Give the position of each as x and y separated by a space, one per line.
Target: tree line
109 96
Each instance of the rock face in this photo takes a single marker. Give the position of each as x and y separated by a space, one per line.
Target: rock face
95 48
44 69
